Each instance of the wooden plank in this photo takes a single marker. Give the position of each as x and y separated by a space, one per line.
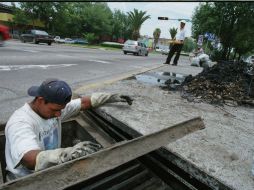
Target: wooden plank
75 171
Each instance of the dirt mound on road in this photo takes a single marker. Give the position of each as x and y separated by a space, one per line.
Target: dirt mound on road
224 83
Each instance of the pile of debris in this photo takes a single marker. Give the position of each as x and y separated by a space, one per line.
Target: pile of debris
224 83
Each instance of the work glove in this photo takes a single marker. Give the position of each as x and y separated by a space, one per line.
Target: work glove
50 158
98 99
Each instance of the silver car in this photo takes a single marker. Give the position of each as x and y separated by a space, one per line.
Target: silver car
135 47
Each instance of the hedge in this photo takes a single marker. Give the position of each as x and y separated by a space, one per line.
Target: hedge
112 44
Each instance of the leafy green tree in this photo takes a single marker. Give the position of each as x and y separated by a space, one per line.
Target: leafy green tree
156 36
243 40
44 11
137 18
97 18
20 18
230 21
173 32
71 19
120 25
90 37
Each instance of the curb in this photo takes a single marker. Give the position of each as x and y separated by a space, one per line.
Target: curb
91 86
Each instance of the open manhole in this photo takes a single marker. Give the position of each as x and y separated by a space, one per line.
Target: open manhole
157 170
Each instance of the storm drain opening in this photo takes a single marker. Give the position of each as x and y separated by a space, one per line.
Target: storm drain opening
160 169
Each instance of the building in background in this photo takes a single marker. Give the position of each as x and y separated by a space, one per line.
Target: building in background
7 19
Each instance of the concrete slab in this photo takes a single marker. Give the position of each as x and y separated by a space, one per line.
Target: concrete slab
224 149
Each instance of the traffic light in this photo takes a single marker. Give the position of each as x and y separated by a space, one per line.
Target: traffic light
162 18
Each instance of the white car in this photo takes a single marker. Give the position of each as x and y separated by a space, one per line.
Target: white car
135 47
57 39
68 41
163 49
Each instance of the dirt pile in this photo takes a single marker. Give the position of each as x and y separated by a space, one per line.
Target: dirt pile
224 83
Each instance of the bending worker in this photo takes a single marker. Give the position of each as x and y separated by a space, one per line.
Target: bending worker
33 132
177 44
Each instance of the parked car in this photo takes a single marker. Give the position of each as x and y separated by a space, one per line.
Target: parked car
135 47
68 41
158 49
163 49
80 41
59 40
4 34
37 36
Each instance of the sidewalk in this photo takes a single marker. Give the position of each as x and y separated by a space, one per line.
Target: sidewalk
224 149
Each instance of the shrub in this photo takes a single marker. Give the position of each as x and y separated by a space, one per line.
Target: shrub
112 44
90 37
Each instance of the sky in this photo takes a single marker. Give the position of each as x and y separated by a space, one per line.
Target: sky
172 10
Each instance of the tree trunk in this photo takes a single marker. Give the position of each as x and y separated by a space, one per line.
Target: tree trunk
239 57
235 54
228 53
224 53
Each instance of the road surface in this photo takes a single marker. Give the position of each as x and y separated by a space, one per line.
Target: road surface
25 64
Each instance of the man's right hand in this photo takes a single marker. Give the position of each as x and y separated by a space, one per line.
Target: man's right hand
98 99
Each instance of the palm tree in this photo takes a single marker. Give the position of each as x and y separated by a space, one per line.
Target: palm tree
136 19
156 36
173 32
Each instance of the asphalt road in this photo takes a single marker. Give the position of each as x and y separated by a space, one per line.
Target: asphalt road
23 65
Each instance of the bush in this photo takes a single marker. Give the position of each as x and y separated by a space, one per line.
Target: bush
112 44
216 55
189 45
90 37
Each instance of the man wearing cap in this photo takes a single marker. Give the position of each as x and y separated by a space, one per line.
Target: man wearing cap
177 44
33 132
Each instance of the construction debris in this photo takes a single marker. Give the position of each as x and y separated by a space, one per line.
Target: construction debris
225 83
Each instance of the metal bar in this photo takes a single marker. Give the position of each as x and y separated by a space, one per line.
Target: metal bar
78 170
115 178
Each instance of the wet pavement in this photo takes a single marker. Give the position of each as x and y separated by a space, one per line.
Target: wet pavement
162 79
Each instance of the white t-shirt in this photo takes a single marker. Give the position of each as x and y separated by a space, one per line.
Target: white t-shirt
180 35
26 131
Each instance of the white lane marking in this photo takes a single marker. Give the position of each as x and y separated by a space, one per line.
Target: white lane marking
137 66
26 50
99 61
31 51
19 67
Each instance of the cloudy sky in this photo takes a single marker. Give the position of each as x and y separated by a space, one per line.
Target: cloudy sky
173 10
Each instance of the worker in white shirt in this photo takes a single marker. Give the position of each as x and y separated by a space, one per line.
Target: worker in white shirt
177 44
33 132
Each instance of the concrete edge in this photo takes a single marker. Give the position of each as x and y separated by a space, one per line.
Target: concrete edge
90 86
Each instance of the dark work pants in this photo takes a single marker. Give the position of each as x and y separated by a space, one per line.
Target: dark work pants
175 48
